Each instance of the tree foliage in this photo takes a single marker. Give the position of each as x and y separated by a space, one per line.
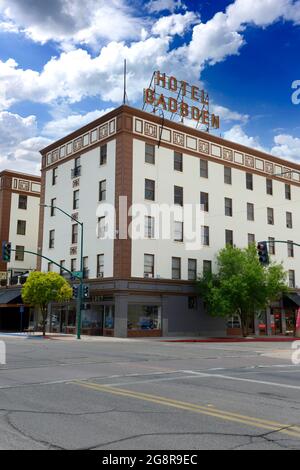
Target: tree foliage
42 288
242 285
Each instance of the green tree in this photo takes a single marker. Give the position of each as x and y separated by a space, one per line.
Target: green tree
242 285
42 288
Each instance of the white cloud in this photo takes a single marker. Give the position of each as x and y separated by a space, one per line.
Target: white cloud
155 6
238 135
287 146
176 23
228 115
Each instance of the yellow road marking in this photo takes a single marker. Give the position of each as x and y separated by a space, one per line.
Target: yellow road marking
293 431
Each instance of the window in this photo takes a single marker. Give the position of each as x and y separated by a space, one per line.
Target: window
271 246
250 211
176 268
101 227
288 193
21 227
178 195
50 266
178 164
178 231
291 278
76 199
51 238
249 181
228 237
227 175
204 168
85 267
53 204
204 202
290 249
100 265
73 265
149 227
270 216
207 266
74 234
148 265
269 187
62 265
102 191
150 190
103 154
205 235
192 269
150 154
228 207
192 302
289 220
54 176
76 171
144 317
251 239
19 253
22 202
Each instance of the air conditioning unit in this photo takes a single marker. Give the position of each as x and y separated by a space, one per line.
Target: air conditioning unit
148 275
100 275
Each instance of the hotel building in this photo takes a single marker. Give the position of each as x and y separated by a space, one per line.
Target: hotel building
146 286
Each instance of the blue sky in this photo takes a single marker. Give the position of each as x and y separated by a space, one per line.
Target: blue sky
61 66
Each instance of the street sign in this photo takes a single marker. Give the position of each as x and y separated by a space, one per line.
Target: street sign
77 274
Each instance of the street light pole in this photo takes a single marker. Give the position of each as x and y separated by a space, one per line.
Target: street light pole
80 293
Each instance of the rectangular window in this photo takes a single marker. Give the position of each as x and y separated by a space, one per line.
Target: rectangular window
250 211
228 237
192 269
207 266
178 231
62 265
51 238
270 216
292 278
76 199
73 265
149 227
204 201
289 220
271 246
204 168
205 235
21 227
101 227
85 267
102 191
178 195
228 207
76 171
288 193
251 239
150 154
22 202
103 154
178 163
290 249
227 175
176 268
19 254
148 265
249 181
269 187
54 176
74 234
100 265
53 204
50 267
149 190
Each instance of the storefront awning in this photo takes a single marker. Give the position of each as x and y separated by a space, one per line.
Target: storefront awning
294 298
10 296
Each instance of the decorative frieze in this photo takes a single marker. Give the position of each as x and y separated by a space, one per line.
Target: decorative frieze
21 184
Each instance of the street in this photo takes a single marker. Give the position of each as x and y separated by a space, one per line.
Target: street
109 393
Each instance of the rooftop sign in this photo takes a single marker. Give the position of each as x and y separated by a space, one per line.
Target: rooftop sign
181 99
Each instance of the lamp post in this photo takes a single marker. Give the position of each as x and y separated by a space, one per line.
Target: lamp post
80 294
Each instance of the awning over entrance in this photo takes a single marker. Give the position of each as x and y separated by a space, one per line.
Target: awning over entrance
8 296
295 298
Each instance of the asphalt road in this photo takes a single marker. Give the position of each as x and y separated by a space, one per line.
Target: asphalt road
146 394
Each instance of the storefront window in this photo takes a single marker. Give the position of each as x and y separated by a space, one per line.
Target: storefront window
109 317
144 317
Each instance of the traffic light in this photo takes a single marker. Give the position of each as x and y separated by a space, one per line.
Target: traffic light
6 251
263 255
75 292
86 293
